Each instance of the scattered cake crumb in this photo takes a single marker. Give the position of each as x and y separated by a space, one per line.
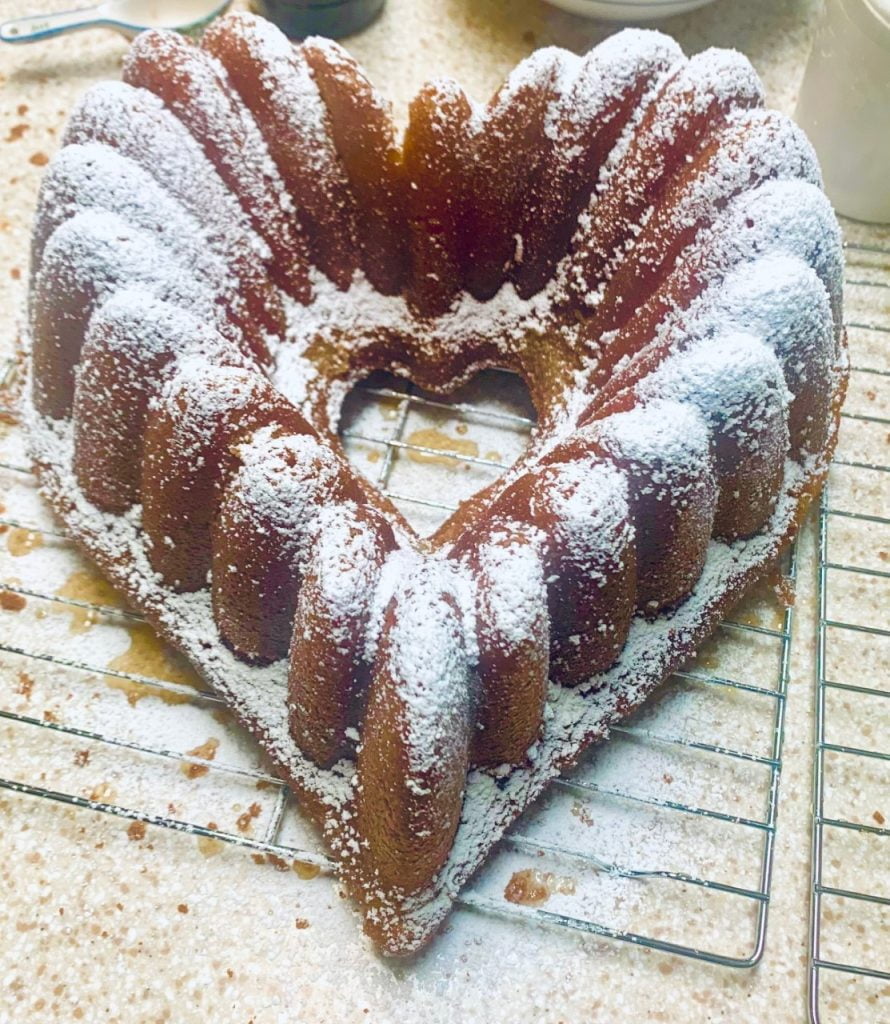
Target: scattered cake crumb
136 830
532 887
16 131
207 752
11 602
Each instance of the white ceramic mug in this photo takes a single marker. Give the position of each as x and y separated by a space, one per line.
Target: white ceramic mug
844 105
628 10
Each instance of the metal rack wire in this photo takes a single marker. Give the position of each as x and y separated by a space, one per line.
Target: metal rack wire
671 737
849 941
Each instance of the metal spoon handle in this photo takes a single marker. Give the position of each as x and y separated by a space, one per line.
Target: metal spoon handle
42 26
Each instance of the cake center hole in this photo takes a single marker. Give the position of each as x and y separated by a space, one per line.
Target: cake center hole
429 453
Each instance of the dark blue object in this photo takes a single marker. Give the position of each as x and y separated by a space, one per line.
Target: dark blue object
332 18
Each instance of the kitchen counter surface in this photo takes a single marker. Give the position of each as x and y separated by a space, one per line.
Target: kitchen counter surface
102 919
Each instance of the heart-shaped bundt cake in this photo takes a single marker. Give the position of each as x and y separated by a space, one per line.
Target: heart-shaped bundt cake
232 237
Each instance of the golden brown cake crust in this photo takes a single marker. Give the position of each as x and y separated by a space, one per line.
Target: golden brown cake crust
630 231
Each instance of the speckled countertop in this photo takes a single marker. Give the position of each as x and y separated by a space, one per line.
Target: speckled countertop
105 920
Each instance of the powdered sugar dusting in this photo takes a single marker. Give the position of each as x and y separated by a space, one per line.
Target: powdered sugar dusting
288 79
667 440
95 176
136 122
133 319
780 299
86 259
514 594
429 666
205 97
549 69
589 500
735 381
723 373
284 482
344 566
364 315
609 70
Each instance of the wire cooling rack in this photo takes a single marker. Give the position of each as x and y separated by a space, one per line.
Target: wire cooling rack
850 919
663 837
